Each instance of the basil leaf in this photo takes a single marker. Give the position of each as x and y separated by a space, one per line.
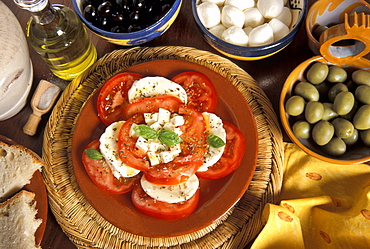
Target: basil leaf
93 154
145 131
168 137
215 141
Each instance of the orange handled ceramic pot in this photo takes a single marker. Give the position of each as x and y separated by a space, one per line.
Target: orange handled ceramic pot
343 45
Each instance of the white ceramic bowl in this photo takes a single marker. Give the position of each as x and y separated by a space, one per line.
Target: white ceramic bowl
247 53
16 74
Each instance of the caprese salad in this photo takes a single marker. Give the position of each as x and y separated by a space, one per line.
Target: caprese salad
161 137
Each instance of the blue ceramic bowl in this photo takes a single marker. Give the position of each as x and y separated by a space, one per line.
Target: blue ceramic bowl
133 38
299 11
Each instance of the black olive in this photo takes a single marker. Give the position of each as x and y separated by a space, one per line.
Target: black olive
139 4
118 29
90 13
135 16
133 28
118 16
104 9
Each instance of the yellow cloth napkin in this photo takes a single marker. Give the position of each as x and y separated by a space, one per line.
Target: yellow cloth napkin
323 205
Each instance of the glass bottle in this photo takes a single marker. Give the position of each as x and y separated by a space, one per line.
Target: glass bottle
59 37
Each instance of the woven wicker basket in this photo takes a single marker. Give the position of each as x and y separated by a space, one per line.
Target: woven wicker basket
86 228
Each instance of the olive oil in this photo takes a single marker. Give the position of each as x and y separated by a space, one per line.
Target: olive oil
59 37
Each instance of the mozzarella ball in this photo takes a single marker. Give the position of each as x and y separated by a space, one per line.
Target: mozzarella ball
232 16
285 16
235 35
209 14
279 28
241 4
247 30
253 18
218 2
261 35
270 8
217 30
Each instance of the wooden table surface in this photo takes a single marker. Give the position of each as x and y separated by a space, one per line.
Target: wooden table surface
270 73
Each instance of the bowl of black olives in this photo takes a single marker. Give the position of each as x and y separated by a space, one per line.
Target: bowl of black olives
127 22
325 110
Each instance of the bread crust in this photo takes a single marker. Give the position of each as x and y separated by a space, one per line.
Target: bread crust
18 221
17 166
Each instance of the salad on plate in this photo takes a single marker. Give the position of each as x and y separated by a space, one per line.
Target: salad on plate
161 136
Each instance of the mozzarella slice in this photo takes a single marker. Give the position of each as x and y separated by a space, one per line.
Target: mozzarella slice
172 193
108 148
156 86
214 127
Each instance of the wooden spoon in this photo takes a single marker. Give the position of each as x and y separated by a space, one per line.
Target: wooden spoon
42 101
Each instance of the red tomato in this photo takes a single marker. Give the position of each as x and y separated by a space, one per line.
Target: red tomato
128 152
147 105
232 156
193 148
113 96
162 210
200 90
101 174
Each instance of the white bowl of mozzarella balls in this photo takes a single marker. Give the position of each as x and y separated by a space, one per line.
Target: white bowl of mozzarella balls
232 26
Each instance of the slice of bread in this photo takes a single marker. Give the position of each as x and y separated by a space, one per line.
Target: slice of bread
18 222
17 166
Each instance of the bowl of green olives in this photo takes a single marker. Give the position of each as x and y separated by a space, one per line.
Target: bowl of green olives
325 110
127 22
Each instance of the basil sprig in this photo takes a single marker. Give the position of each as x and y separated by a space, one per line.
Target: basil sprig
168 137
93 154
215 141
164 136
145 131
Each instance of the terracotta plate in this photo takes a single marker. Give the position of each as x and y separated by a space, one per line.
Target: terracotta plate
217 196
36 186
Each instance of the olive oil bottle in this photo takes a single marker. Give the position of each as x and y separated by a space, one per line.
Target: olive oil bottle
59 37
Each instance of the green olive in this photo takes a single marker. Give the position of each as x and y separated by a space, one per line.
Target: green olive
362 94
302 129
343 128
307 91
323 89
361 120
336 74
322 132
317 73
352 139
314 111
294 105
343 103
361 77
365 137
351 114
334 90
329 113
316 32
335 147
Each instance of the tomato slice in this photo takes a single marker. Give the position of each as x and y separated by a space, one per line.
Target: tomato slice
152 104
101 174
113 96
200 90
163 210
193 148
128 152
232 156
